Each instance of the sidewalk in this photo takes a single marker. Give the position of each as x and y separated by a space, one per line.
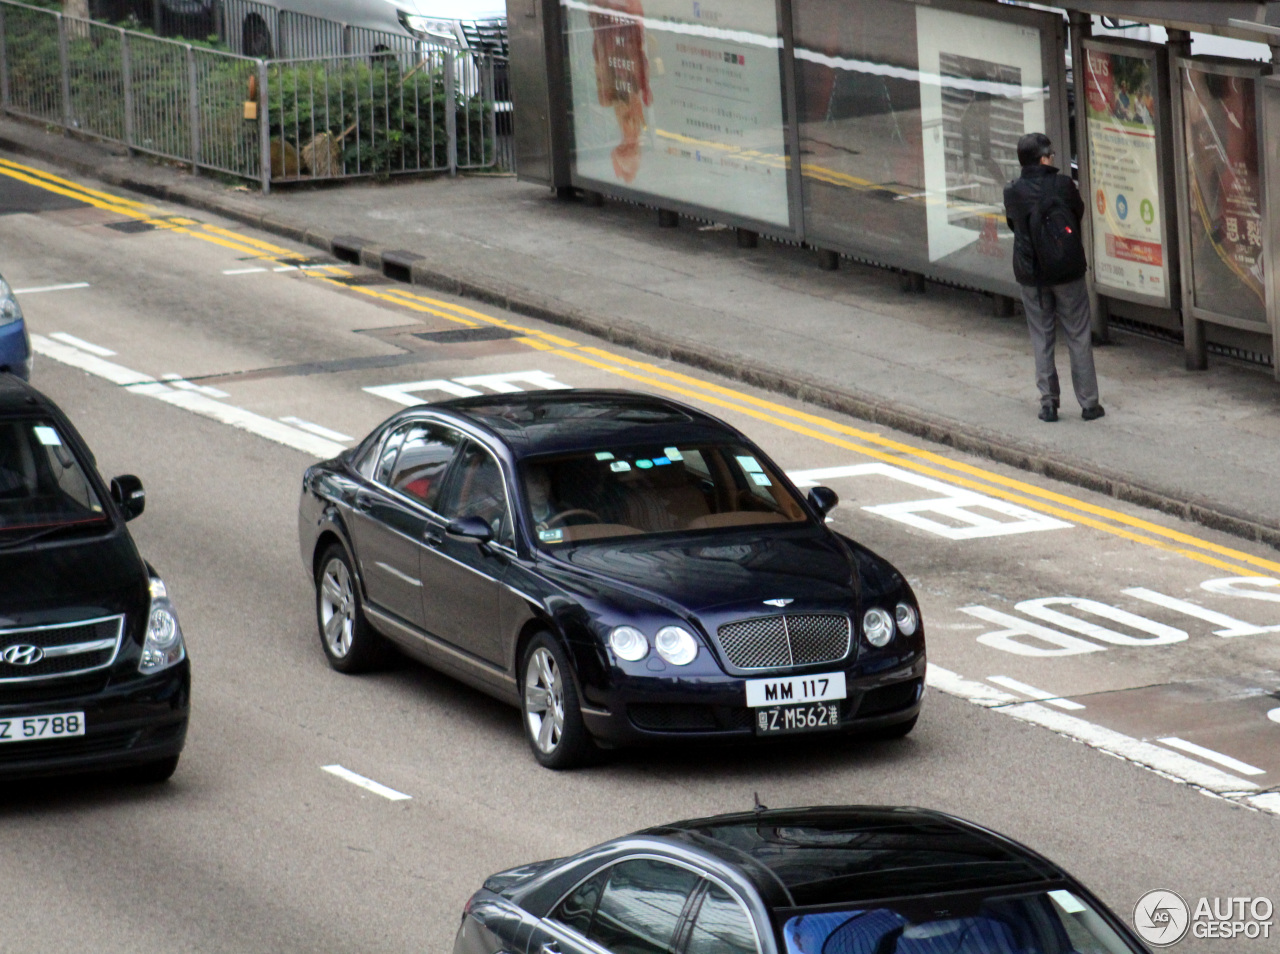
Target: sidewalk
1202 445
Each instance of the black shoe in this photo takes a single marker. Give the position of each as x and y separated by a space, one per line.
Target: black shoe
1093 413
1048 413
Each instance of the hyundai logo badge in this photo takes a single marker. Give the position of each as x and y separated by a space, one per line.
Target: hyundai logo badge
23 654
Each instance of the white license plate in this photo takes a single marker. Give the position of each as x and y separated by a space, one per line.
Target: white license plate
57 725
773 692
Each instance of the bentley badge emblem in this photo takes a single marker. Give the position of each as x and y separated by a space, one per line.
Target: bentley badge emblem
780 603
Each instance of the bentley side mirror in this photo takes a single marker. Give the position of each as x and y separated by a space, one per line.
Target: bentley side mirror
127 492
470 528
823 500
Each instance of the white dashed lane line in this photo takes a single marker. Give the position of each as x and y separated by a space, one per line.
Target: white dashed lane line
1031 692
83 345
50 288
1209 755
367 784
318 429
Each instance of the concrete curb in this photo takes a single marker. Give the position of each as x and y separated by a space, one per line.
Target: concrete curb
412 267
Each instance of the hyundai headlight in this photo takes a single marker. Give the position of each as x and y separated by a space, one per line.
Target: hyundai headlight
676 645
9 310
628 643
163 646
907 617
877 626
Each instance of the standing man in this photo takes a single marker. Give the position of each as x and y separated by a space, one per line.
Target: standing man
1043 208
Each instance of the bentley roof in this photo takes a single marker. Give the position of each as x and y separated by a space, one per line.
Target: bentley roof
822 856
543 422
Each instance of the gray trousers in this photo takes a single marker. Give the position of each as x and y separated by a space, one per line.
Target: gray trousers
1045 308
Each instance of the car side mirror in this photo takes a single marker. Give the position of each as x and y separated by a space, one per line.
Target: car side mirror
823 500
127 492
470 528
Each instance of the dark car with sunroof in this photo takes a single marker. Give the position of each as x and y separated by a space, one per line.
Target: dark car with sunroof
93 669
845 880
622 567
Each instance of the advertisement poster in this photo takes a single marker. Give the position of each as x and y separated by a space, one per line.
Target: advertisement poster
973 110
1224 193
1128 253
681 99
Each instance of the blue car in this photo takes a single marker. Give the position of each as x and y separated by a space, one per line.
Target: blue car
15 345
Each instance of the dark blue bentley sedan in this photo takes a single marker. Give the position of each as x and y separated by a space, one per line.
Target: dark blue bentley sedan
848 880
622 567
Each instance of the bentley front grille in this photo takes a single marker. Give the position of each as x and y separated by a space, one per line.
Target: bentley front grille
778 642
63 649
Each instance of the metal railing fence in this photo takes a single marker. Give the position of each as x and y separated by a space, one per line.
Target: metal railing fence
423 109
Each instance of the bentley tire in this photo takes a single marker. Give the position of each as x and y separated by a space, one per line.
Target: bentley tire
550 707
349 642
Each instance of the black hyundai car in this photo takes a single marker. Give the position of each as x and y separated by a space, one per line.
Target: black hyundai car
622 567
796 881
93 669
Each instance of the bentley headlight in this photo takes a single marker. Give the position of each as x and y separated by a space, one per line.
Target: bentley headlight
628 643
877 625
908 619
163 646
676 645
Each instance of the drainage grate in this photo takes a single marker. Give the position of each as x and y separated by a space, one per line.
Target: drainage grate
363 280
467 335
1146 330
131 227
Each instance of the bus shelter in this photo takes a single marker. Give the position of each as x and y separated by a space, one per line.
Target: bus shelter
886 130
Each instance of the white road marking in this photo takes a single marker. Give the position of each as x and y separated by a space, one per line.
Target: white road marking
1031 692
242 271
367 784
409 394
178 381
83 345
1230 625
192 401
955 505
1160 760
49 288
1274 715
317 429
1209 755
1008 639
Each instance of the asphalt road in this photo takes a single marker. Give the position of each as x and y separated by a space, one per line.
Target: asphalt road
216 363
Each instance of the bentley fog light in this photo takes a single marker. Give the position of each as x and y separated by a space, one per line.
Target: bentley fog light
877 624
628 643
676 645
163 646
907 617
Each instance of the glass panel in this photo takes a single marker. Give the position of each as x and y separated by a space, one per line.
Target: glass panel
424 458
479 491
906 140
42 484
1124 170
722 926
660 489
641 907
1224 192
579 907
1054 922
680 100
385 459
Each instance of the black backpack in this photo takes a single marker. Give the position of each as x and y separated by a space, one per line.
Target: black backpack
1056 240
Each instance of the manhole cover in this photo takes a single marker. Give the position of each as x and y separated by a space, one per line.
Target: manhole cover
467 335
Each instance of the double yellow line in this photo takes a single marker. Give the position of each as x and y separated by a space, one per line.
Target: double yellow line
870 444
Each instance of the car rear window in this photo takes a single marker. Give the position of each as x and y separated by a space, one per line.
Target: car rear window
631 491
42 484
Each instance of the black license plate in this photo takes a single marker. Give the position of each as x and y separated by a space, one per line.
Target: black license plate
784 720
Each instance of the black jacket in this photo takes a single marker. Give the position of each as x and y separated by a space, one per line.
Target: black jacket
1020 199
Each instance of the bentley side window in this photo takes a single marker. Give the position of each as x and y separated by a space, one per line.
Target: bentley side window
425 455
579 907
641 907
478 490
722 926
